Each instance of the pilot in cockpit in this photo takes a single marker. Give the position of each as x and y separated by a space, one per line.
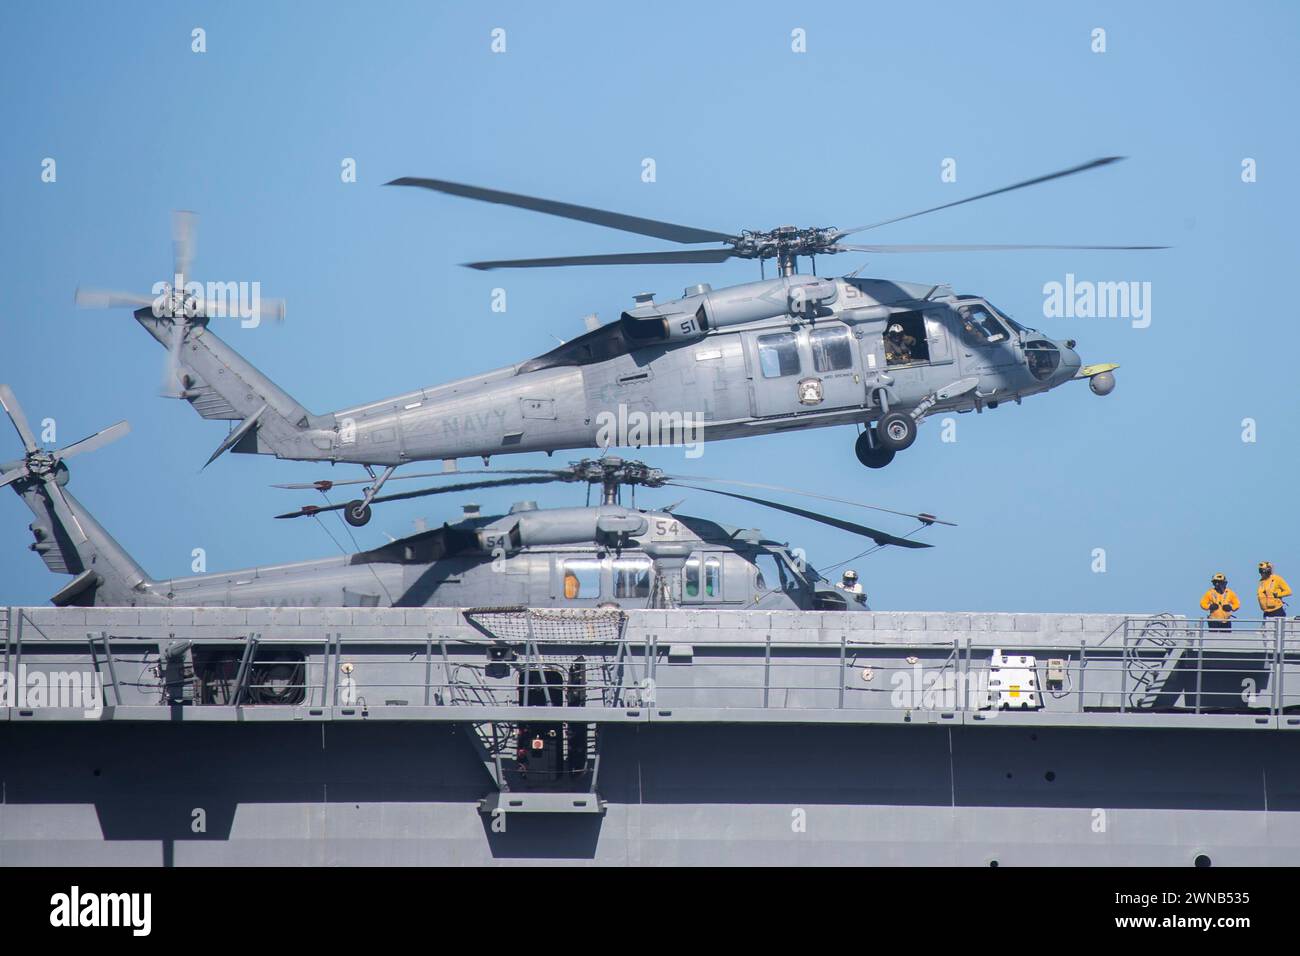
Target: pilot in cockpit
977 321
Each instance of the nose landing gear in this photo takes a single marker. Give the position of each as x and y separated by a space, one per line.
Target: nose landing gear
869 450
878 444
896 431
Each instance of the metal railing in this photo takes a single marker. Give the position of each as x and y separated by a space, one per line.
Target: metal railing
1159 665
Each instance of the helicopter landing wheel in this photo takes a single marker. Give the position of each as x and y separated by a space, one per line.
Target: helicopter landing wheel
896 431
356 513
870 452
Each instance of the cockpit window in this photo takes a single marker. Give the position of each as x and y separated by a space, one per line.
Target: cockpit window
1012 322
771 574
1042 357
980 325
778 355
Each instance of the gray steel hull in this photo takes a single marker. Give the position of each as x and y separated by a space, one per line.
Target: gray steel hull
407 793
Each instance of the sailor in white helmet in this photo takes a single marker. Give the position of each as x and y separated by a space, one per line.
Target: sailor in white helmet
849 582
898 346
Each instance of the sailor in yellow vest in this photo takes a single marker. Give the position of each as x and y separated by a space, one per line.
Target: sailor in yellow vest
1272 589
1221 601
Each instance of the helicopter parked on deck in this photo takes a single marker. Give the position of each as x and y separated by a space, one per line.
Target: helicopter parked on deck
604 555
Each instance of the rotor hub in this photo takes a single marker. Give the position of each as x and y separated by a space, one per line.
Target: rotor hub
785 241
40 464
621 471
611 473
176 304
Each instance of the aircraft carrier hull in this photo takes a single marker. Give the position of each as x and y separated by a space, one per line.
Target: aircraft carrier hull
408 794
833 777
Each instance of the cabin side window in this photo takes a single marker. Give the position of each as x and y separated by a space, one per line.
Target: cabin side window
710 586
778 355
632 578
581 579
832 349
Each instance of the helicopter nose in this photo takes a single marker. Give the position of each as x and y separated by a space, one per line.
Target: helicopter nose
1070 361
1051 362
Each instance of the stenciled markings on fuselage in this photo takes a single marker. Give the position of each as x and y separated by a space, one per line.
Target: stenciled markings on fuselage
470 423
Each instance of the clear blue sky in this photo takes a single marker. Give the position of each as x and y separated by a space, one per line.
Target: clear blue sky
745 133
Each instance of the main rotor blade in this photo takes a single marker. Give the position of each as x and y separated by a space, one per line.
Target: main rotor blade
184 242
599 217
110 299
968 247
876 535
15 412
927 518
9 477
615 259
273 309
1104 161
309 485
465 486
101 438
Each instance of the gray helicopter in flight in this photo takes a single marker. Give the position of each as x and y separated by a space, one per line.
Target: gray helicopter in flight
794 351
605 555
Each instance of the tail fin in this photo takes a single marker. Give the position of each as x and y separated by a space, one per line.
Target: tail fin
221 384
75 543
207 372
68 539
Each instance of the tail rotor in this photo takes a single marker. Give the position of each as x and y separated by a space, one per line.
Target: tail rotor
47 467
181 302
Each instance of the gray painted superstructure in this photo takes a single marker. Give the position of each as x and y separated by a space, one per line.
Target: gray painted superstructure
701 737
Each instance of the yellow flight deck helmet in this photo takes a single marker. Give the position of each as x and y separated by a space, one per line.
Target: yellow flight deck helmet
1265 566
1219 578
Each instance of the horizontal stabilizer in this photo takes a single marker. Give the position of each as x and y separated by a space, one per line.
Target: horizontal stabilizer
83 585
236 434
